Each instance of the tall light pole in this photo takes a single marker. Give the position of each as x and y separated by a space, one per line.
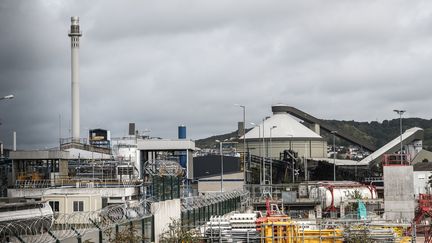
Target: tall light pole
334 154
265 153
259 147
271 160
226 141
221 161
400 113
7 97
244 142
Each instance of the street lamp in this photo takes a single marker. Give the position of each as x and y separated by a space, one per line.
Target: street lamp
400 113
7 97
334 155
271 160
221 154
221 158
244 141
259 148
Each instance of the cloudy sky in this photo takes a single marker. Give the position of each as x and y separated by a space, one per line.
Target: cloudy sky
165 63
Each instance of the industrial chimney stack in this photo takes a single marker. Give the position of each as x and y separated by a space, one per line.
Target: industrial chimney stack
75 34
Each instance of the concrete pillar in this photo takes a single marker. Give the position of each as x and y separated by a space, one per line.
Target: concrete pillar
399 201
316 128
318 211
63 167
75 34
14 141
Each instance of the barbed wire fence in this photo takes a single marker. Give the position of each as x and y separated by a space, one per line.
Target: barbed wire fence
57 227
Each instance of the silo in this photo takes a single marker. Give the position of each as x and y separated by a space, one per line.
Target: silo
183 154
182 132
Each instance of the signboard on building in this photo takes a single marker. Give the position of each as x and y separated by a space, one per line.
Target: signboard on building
99 137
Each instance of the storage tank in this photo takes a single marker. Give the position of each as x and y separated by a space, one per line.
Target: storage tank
338 193
182 155
182 132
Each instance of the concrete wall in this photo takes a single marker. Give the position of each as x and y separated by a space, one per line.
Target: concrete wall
84 154
90 202
421 179
231 182
38 154
304 148
164 213
104 192
399 192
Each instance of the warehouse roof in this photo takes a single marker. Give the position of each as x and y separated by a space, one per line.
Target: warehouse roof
285 127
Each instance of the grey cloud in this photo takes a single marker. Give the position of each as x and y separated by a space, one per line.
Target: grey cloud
162 64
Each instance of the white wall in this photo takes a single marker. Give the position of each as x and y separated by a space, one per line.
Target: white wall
399 192
164 213
91 202
307 148
421 179
104 192
213 184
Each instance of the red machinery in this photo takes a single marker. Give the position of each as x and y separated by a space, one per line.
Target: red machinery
395 159
424 210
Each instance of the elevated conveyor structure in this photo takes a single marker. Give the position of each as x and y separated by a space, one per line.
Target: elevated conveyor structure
313 120
393 146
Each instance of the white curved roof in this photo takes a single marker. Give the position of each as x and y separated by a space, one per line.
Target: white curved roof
286 127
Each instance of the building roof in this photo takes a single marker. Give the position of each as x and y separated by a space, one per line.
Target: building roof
423 166
286 127
422 156
339 162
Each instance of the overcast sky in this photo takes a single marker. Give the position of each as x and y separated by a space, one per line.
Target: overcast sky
161 64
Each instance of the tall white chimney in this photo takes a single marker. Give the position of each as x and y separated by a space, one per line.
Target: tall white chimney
75 34
14 141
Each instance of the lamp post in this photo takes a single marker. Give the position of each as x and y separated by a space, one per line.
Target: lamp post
265 154
244 142
271 160
221 154
259 147
221 161
400 113
334 154
7 97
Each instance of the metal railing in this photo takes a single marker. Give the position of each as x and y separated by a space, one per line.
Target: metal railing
76 183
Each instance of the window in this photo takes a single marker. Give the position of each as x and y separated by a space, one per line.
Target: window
54 206
78 206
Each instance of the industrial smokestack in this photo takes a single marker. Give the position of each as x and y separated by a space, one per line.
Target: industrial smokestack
75 34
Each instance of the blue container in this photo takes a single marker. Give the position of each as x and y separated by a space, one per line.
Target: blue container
183 159
182 132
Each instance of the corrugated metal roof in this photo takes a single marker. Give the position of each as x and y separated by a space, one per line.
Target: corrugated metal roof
423 166
286 127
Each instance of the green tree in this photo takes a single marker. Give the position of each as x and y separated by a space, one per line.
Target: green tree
127 233
177 233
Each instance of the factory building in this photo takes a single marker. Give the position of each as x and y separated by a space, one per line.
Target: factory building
282 132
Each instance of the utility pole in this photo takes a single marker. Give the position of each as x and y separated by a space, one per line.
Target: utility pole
400 112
